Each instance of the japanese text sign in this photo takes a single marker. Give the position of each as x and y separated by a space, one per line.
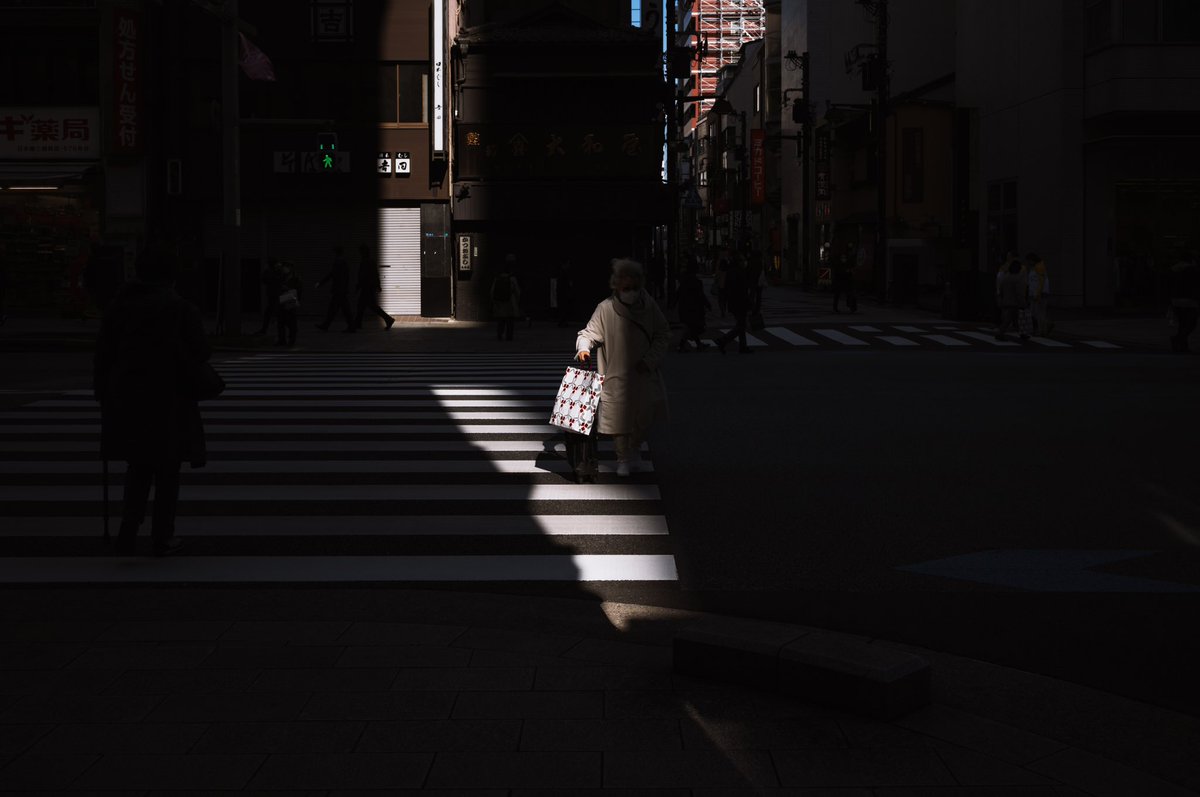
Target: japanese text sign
49 133
127 82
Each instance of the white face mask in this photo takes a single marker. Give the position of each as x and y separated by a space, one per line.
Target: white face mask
628 297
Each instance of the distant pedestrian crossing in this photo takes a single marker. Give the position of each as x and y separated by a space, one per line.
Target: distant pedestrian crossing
911 337
344 468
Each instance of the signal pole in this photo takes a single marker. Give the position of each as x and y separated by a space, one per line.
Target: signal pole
230 310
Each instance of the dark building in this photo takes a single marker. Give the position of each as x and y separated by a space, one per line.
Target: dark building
559 117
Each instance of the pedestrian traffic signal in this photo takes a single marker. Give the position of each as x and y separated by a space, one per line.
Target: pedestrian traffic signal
327 146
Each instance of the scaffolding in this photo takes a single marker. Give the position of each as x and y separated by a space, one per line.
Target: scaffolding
718 29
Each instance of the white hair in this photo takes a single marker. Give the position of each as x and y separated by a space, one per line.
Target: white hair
623 267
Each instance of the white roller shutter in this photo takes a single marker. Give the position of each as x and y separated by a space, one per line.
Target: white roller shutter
400 249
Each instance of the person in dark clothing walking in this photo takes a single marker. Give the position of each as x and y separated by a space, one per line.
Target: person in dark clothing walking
289 304
1185 299
368 289
272 282
506 299
692 305
843 284
1012 296
339 292
151 340
737 295
564 292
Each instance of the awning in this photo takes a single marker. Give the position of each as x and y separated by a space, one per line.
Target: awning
43 172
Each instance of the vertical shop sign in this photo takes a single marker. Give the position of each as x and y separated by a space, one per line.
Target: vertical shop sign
823 179
438 128
758 167
127 82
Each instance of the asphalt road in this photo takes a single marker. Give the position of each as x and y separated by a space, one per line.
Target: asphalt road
1038 510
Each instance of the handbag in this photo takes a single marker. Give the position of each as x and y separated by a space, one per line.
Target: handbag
577 400
289 300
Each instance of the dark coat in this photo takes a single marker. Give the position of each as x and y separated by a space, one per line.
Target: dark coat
368 277
338 277
737 290
150 340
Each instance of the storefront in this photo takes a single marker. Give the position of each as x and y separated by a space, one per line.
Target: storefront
51 198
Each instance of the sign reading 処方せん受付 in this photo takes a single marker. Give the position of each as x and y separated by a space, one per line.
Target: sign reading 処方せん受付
50 133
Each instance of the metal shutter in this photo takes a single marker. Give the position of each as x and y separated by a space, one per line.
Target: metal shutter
400 250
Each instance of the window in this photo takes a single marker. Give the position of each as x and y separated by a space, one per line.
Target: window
912 164
1180 20
404 94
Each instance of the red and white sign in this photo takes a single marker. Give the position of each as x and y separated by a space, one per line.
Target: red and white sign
758 167
49 133
127 82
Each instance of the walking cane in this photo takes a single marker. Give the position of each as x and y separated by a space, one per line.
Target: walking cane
104 459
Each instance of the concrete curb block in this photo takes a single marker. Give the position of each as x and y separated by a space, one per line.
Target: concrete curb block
828 668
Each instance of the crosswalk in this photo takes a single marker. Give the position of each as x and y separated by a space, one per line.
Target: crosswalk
344 468
908 337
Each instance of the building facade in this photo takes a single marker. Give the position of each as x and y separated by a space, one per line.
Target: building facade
558 135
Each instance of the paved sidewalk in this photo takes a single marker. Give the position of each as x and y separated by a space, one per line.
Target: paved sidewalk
355 691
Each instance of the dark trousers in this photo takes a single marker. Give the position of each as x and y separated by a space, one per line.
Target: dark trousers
270 311
504 328
287 327
338 301
138 478
851 298
738 331
1008 320
1186 318
366 302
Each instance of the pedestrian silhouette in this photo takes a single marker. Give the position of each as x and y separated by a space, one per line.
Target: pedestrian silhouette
632 335
339 292
272 282
1012 294
151 343
506 299
693 304
289 304
1184 287
737 296
564 293
368 289
843 283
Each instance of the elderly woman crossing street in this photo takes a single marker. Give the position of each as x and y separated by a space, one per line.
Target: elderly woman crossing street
632 335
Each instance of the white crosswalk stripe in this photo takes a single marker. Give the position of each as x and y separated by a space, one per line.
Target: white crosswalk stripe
341 452
841 337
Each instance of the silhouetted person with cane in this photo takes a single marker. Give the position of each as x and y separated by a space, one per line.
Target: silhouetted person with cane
151 343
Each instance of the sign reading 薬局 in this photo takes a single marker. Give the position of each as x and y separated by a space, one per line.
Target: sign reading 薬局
49 133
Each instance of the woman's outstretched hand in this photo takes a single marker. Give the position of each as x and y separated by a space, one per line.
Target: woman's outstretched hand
583 356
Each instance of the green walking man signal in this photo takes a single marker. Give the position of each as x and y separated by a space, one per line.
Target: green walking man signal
327 145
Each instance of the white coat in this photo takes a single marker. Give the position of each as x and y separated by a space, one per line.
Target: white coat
630 400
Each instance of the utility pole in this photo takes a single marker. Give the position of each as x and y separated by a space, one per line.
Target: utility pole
806 211
231 256
880 9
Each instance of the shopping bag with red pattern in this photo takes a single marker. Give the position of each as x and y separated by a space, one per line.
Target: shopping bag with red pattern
577 400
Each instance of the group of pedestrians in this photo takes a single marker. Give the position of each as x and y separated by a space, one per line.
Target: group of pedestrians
282 291
1022 294
738 288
